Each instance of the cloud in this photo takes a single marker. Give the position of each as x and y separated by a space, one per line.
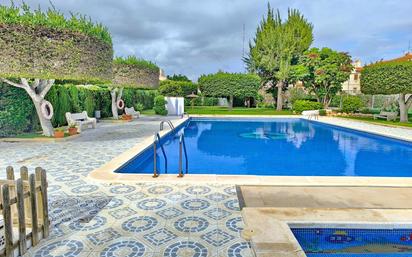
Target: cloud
198 37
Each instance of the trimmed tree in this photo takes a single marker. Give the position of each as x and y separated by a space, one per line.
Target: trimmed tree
229 85
277 47
38 47
131 72
323 72
389 78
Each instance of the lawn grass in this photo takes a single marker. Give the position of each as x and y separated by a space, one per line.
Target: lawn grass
30 135
216 110
381 122
148 112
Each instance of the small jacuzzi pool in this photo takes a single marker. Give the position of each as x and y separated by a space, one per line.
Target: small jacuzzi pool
344 242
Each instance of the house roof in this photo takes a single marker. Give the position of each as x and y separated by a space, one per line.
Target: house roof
406 57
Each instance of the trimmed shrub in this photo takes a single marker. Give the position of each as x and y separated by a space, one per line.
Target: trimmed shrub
351 104
139 107
304 105
177 88
224 84
46 45
322 112
159 105
134 72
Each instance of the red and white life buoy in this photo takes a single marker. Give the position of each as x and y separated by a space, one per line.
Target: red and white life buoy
47 110
120 104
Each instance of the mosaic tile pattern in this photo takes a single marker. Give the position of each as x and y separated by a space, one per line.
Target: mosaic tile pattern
134 219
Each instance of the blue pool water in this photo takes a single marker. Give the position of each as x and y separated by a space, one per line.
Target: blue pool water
293 147
318 242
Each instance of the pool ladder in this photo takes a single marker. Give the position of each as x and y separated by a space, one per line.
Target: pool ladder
168 123
182 150
155 142
182 146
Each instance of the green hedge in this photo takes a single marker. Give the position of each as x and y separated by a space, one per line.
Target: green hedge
134 72
304 105
202 101
177 88
17 114
224 84
41 45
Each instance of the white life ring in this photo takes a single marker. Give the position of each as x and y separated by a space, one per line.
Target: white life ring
47 110
120 104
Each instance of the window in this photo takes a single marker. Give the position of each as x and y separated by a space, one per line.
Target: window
356 77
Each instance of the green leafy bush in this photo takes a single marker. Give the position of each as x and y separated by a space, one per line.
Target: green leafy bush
351 104
297 93
322 112
179 77
177 88
159 105
139 107
305 105
52 19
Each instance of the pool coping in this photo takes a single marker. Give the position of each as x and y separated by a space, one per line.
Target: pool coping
106 172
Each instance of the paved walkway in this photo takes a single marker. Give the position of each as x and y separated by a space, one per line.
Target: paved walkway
134 219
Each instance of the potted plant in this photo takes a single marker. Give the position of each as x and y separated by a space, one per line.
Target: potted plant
127 117
59 133
72 130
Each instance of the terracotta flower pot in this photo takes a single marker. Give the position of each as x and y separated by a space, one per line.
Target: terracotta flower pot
58 134
72 131
127 117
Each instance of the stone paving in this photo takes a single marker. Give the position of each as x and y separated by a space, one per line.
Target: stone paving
133 219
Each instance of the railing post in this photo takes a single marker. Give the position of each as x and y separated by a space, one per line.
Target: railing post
8 223
180 158
10 173
34 224
21 217
155 175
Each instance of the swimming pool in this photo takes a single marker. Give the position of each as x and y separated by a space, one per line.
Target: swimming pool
339 242
281 146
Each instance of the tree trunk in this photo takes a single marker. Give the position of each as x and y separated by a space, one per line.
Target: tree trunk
279 100
230 102
37 90
404 104
114 105
45 124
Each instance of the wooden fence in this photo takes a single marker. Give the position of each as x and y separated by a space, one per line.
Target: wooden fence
24 206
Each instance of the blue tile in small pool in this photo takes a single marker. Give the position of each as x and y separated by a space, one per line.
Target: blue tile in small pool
103 236
122 213
240 249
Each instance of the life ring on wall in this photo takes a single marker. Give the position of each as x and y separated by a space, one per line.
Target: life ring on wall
47 110
120 104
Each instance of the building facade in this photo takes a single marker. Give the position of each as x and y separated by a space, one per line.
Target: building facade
352 86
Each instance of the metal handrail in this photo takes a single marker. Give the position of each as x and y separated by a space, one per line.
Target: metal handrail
157 139
182 144
168 122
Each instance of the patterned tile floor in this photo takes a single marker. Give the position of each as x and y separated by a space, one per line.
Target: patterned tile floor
135 219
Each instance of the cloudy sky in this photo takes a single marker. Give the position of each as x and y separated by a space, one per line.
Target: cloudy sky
195 37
